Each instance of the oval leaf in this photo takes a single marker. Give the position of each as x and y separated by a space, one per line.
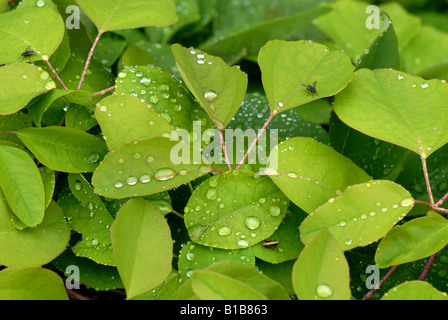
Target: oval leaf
21 283
220 89
309 172
391 98
291 69
146 167
313 275
22 185
64 149
234 210
142 244
21 82
32 246
118 14
39 30
361 215
124 118
415 290
414 240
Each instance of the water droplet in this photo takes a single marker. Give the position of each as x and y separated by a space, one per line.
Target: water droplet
26 20
190 256
153 99
348 242
40 3
274 211
243 243
164 174
407 202
211 194
137 155
324 291
50 85
78 186
144 81
252 223
400 77
44 75
292 175
424 85
224 231
200 61
210 96
118 184
131 180
24 76
262 200
342 223
213 181
103 108
95 242
145 178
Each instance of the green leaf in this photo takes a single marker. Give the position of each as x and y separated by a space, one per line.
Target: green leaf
314 273
80 117
34 29
415 290
147 167
124 118
49 182
193 257
414 240
246 29
309 172
361 215
64 149
220 89
22 185
302 63
142 245
211 285
164 94
23 283
32 246
118 14
21 82
234 210
410 109
289 246
383 51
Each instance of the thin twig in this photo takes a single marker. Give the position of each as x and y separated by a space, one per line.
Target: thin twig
223 144
249 150
428 184
89 57
180 215
56 74
427 267
387 276
104 91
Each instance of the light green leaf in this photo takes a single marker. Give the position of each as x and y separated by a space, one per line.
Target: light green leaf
314 273
22 283
361 215
124 118
309 172
211 285
22 185
164 94
220 89
193 257
64 149
34 29
415 290
119 14
21 82
289 67
49 182
142 245
234 210
414 240
410 109
32 246
147 167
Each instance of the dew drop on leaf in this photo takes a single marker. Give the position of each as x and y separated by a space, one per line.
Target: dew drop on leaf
164 174
324 291
131 180
210 96
274 211
224 231
252 223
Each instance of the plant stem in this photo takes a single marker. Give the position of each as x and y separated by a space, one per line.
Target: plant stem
427 267
271 116
428 184
89 57
104 91
8 132
442 200
180 215
223 144
387 276
56 74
